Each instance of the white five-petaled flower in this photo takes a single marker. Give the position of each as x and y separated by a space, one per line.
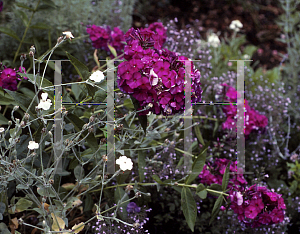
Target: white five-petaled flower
124 163
44 102
68 35
33 145
2 130
97 76
236 25
213 40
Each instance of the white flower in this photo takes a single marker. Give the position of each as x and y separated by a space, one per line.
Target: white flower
44 102
236 25
213 40
124 163
246 56
33 145
97 76
68 35
2 130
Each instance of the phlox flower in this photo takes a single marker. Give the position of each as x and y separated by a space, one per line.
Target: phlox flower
33 145
97 76
124 163
45 102
236 25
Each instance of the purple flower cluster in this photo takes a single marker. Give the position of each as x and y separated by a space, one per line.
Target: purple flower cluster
154 75
102 36
253 120
133 208
212 173
257 206
9 77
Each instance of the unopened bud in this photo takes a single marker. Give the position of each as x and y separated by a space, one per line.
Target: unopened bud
92 119
17 121
138 194
23 124
31 51
16 108
128 188
136 225
23 57
26 116
9 123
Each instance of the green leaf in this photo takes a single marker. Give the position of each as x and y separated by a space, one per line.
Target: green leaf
157 179
49 3
24 6
112 50
48 192
216 208
198 134
23 204
4 229
189 207
200 188
142 118
10 33
225 179
23 101
198 165
82 71
3 120
40 25
2 207
100 96
128 104
202 194
216 187
78 124
79 172
22 15
46 83
119 193
142 165
6 99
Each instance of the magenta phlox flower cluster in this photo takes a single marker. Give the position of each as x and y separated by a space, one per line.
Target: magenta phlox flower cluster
212 173
102 36
9 77
257 206
253 120
154 75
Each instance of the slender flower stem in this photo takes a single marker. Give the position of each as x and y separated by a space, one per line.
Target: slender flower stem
27 27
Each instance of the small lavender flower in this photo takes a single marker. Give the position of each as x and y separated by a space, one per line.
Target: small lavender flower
133 208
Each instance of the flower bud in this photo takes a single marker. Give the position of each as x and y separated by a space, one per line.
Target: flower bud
23 57
26 116
31 51
9 123
16 108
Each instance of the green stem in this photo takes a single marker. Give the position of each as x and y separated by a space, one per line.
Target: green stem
27 27
154 184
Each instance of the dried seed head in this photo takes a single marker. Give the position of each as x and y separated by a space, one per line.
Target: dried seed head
136 225
26 116
92 119
128 188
